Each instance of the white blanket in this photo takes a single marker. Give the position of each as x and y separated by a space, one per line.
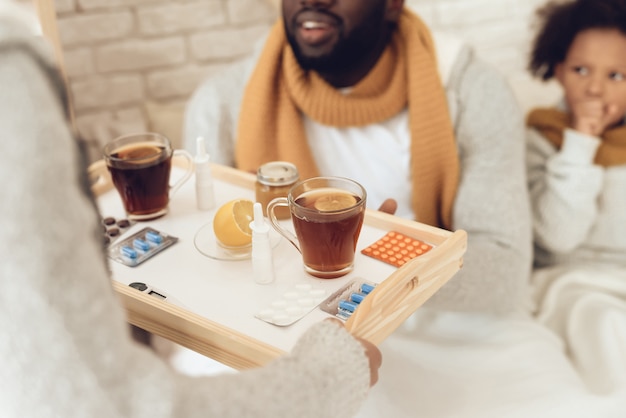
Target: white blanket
570 361
586 307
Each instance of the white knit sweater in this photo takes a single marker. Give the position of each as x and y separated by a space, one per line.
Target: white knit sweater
579 208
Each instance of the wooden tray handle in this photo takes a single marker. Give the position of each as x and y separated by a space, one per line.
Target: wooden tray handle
99 178
396 298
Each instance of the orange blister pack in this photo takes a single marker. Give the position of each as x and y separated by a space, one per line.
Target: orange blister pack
396 249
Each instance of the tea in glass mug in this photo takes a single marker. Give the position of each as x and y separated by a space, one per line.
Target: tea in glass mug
327 215
140 166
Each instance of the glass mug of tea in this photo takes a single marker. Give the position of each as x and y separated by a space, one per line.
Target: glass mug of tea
140 166
327 215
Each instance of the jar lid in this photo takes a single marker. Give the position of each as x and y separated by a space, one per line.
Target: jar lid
277 173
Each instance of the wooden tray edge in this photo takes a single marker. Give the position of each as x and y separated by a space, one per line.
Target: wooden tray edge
194 331
405 290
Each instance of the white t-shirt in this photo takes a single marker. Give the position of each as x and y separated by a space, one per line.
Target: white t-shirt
376 155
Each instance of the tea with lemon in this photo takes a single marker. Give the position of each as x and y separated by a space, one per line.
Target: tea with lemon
328 229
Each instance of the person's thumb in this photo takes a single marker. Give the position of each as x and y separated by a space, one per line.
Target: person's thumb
389 206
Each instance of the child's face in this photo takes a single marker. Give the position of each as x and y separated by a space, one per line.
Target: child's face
593 74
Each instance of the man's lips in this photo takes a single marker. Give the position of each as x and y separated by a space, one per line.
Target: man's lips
315 28
316 17
309 24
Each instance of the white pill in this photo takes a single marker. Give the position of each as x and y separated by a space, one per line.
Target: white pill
279 304
266 314
281 319
294 311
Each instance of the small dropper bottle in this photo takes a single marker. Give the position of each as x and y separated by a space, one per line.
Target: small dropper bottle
262 263
205 196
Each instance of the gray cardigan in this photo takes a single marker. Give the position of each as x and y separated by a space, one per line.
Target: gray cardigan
492 200
66 347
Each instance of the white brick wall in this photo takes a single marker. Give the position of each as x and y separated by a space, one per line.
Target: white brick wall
132 64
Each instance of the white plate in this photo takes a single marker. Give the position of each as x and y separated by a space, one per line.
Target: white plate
206 242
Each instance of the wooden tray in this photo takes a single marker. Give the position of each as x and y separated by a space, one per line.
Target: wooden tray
392 301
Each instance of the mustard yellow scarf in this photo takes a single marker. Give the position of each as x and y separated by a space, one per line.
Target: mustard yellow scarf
270 125
552 122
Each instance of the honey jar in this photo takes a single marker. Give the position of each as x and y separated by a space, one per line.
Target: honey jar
274 179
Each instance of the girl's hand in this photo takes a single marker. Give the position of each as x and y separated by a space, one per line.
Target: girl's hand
592 117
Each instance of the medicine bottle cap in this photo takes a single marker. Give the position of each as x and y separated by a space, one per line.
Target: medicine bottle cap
277 173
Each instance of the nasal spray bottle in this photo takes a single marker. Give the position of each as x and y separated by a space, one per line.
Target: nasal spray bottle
205 196
262 263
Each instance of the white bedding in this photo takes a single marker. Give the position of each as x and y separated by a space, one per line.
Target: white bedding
586 307
568 362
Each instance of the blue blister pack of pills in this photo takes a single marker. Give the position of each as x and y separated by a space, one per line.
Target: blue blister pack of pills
140 246
346 300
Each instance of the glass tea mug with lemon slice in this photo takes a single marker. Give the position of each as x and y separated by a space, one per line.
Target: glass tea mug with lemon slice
327 215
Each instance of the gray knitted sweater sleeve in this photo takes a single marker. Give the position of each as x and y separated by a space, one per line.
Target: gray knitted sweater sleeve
492 202
66 347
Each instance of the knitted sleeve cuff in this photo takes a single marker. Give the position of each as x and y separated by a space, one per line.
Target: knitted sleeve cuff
579 148
333 352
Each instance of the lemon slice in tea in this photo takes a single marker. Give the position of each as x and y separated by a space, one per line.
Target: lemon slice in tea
231 223
334 200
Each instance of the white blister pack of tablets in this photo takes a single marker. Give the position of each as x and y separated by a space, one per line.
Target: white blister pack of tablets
293 305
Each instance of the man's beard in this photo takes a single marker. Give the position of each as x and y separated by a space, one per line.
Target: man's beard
345 54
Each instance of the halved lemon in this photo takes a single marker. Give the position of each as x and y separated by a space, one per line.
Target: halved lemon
334 200
231 223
